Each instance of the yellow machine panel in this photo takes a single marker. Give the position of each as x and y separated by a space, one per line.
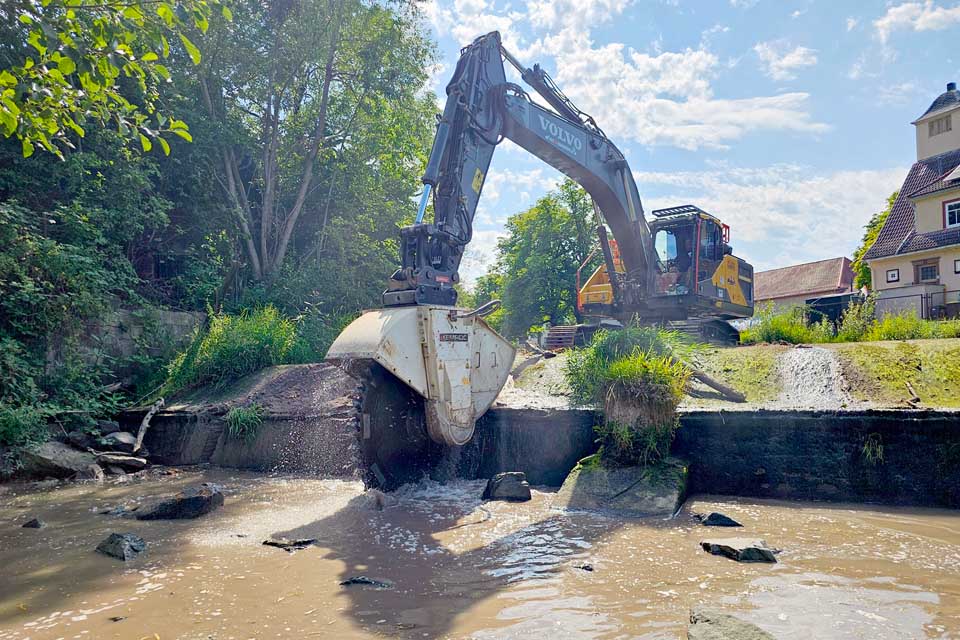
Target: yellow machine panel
727 277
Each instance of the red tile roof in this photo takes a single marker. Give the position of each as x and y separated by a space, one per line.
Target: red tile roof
810 279
898 234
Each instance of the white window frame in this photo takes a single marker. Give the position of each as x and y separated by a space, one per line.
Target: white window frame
954 208
893 275
956 265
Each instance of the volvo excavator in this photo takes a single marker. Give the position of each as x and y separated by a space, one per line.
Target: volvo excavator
431 369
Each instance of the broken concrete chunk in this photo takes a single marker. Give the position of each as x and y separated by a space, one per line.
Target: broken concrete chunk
706 624
54 459
368 582
290 545
34 523
740 549
512 486
657 489
192 502
123 462
715 519
123 546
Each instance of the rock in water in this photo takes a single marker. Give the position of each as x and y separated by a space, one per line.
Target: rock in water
120 441
122 546
126 463
192 502
512 486
93 473
715 519
706 624
740 549
291 545
367 582
34 523
628 491
54 459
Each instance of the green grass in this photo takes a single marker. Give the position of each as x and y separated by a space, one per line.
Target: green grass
232 347
879 372
243 423
751 370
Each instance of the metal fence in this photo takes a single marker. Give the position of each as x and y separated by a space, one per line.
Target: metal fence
930 306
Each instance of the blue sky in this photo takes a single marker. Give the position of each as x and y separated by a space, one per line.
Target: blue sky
790 121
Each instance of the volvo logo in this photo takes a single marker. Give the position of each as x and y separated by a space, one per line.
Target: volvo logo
560 137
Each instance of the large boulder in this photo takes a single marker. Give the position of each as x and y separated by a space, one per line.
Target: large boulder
512 486
192 502
706 624
657 489
740 549
54 459
120 441
122 546
81 440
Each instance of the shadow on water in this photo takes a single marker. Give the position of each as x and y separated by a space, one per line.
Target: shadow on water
445 552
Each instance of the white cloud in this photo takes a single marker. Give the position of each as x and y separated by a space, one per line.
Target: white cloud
816 215
780 62
521 186
480 255
743 4
555 14
851 23
916 16
664 99
897 94
796 14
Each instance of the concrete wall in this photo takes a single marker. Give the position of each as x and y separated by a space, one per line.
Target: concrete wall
821 456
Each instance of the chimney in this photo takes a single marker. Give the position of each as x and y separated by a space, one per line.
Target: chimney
951 86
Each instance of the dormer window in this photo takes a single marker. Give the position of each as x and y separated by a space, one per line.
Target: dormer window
940 125
951 214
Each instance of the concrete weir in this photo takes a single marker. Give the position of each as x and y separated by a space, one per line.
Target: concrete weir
893 457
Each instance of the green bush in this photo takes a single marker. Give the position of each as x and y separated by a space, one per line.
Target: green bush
789 326
899 326
856 320
231 347
636 376
315 333
243 423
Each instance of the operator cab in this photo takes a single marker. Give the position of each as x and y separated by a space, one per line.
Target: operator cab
690 245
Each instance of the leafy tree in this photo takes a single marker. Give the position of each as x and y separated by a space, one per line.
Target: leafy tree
861 270
315 98
65 64
538 260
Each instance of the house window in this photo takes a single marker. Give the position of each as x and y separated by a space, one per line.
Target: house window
951 214
956 266
940 125
928 273
893 275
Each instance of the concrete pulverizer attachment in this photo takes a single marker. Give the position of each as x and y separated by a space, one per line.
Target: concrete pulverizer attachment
449 356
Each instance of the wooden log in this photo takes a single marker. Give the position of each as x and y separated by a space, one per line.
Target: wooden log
145 424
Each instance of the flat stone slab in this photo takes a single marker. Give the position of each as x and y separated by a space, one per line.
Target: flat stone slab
715 519
628 491
707 624
54 459
740 549
192 502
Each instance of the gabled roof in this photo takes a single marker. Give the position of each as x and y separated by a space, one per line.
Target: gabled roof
946 100
825 276
947 181
892 239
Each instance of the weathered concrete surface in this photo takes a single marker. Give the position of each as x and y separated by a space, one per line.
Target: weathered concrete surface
629 491
543 443
894 457
310 424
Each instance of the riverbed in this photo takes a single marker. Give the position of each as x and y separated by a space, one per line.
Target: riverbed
453 566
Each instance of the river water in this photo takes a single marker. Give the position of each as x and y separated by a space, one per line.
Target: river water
460 568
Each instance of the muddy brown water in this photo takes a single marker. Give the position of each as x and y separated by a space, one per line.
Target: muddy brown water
460 568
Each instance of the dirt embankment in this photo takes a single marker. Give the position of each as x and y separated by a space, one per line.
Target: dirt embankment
908 374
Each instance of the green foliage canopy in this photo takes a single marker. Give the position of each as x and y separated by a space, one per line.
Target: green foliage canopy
861 269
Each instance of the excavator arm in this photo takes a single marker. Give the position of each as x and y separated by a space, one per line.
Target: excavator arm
482 109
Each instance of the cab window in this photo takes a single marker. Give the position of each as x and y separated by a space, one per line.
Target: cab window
666 245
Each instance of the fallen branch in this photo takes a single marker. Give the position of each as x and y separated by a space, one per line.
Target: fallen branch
145 424
914 398
729 393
